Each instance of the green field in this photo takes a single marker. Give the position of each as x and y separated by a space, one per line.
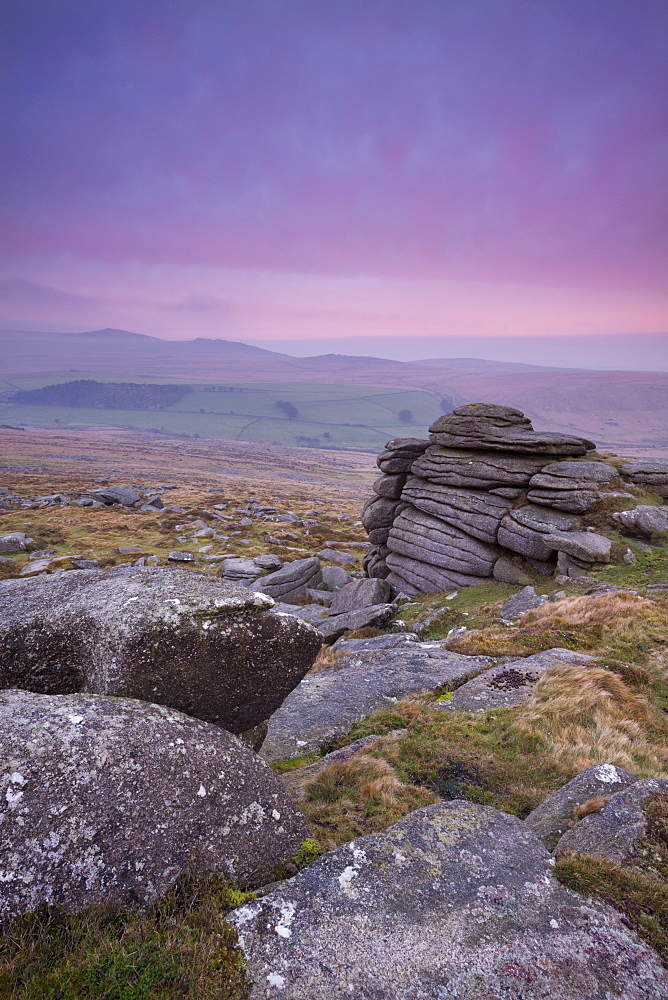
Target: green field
322 416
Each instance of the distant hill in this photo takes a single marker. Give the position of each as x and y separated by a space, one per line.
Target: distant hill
620 410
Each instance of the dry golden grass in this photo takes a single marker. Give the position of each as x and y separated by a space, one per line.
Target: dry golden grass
359 796
325 660
587 714
591 806
612 625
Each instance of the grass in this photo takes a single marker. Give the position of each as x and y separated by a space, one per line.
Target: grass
344 417
511 759
180 948
639 889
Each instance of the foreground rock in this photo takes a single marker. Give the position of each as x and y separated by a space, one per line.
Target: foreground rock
553 817
644 520
169 636
110 800
455 901
334 627
326 704
510 684
614 832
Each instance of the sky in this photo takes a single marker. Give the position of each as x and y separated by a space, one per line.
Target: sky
311 170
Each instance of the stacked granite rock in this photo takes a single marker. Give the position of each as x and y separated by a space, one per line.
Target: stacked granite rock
488 497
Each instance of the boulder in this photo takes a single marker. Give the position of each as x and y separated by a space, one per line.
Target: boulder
14 541
333 627
323 597
360 594
476 470
268 562
111 799
312 613
554 816
486 427
615 831
389 487
178 556
585 545
525 600
326 704
333 555
509 684
644 520
454 901
651 473
524 530
575 475
169 636
239 569
124 495
153 503
408 576
399 454
292 580
513 569
335 577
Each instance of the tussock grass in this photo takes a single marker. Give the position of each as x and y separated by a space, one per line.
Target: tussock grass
618 625
325 660
178 949
359 796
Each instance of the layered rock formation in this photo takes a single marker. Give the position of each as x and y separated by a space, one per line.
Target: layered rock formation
489 497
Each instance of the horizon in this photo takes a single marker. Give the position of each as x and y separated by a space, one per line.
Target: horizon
318 173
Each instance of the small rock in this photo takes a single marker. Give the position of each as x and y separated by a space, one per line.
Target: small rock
550 820
526 600
360 594
178 556
128 550
268 562
335 577
334 627
343 558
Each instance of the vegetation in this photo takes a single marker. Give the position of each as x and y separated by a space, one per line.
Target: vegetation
103 395
180 948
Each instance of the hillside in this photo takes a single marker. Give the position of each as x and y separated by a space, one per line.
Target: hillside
623 411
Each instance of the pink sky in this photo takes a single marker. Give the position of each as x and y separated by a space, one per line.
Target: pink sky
266 170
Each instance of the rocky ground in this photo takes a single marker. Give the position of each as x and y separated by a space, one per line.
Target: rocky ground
485 765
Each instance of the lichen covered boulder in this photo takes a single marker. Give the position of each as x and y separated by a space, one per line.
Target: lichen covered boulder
455 901
111 799
169 636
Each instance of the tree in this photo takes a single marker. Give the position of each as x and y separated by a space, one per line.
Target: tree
289 409
406 416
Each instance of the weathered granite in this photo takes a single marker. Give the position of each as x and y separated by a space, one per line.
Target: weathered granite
615 831
644 520
486 427
456 901
550 820
170 636
360 594
292 580
111 799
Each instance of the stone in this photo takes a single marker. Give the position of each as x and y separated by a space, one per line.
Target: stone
574 475
509 684
343 558
512 569
428 539
239 569
651 473
335 625
170 636
524 530
14 541
473 511
124 495
615 831
644 520
410 577
312 613
525 600
485 427
325 705
36 566
127 550
324 597
400 453
475 469
268 562
87 563
335 577
389 487
550 820
585 545
376 642
360 594
109 800
291 580
374 565
153 503
179 556
574 501
457 901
